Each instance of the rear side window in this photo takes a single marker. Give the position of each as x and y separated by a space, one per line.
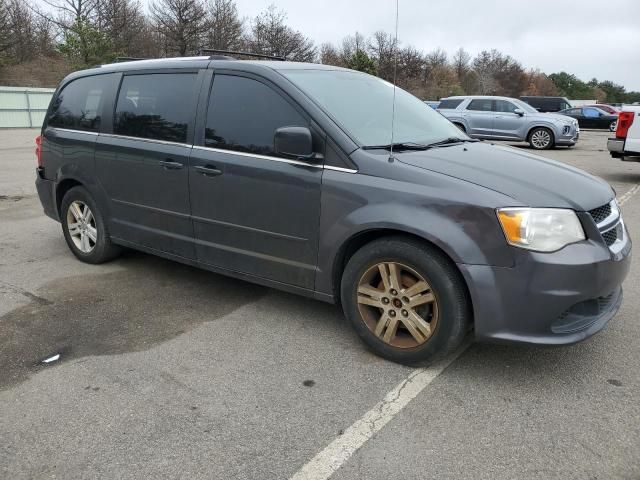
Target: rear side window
244 114
481 104
78 106
450 103
156 106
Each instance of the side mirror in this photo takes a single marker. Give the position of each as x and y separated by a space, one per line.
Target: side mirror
294 142
519 111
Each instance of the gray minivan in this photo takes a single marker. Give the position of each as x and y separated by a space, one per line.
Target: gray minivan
289 175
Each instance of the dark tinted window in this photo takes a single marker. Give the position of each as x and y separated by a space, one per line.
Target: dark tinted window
481 104
573 111
79 104
450 103
156 106
244 114
505 107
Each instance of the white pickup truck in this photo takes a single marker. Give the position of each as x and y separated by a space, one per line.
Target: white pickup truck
626 144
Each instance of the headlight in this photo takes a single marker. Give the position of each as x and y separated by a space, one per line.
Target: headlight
540 229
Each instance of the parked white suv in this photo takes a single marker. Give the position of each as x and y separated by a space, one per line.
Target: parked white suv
504 118
626 144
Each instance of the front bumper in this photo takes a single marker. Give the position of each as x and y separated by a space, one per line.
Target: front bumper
549 298
568 138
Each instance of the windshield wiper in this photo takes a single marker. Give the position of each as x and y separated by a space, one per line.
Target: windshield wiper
398 146
451 141
419 146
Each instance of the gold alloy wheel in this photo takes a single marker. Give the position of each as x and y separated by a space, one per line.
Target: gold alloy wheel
397 304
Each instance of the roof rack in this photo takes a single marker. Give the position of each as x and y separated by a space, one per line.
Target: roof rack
128 59
229 54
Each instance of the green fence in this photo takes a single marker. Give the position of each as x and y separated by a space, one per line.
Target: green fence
22 107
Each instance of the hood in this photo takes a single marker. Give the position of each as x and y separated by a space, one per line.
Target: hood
556 117
530 179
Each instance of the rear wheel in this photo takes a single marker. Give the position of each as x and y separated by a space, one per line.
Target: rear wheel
84 228
612 126
541 138
406 300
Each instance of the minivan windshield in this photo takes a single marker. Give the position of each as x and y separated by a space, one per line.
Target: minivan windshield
363 106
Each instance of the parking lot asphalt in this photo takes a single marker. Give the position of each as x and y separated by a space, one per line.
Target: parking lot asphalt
167 371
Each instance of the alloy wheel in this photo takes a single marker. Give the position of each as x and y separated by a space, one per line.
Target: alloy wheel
81 225
612 126
397 304
541 139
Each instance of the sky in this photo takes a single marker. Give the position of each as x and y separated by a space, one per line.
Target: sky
589 38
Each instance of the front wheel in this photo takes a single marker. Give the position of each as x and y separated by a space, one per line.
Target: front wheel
541 139
406 300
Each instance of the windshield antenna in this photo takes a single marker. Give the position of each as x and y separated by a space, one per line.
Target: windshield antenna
395 73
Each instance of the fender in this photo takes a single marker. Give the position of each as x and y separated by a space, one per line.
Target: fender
470 235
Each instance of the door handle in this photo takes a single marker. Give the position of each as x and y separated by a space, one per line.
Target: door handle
171 165
208 170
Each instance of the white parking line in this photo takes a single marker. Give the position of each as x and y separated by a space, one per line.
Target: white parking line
630 193
325 463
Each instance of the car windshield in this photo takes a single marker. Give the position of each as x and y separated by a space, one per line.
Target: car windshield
363 106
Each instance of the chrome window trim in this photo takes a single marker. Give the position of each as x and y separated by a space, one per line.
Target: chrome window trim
219 150
340 169
143 139
72 130
255 155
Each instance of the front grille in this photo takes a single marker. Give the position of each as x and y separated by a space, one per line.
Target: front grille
600 213
610 236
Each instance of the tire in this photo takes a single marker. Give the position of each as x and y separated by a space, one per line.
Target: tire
448 316
613 125
86 234
541 138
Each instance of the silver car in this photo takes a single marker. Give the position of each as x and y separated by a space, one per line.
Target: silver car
504 118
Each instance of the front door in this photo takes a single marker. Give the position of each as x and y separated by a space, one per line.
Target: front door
479 115
143 165
508 124
254 212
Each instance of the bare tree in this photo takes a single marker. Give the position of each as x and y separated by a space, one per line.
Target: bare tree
123 23
182 24
69 12
5 28
270 35
225 28
382 47
329 55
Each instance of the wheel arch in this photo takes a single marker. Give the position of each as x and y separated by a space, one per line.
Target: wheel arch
541 125
62 188
364 237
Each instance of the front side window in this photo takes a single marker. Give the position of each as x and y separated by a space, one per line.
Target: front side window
363 106
244 114
78 106
481 105
503 106
156 106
